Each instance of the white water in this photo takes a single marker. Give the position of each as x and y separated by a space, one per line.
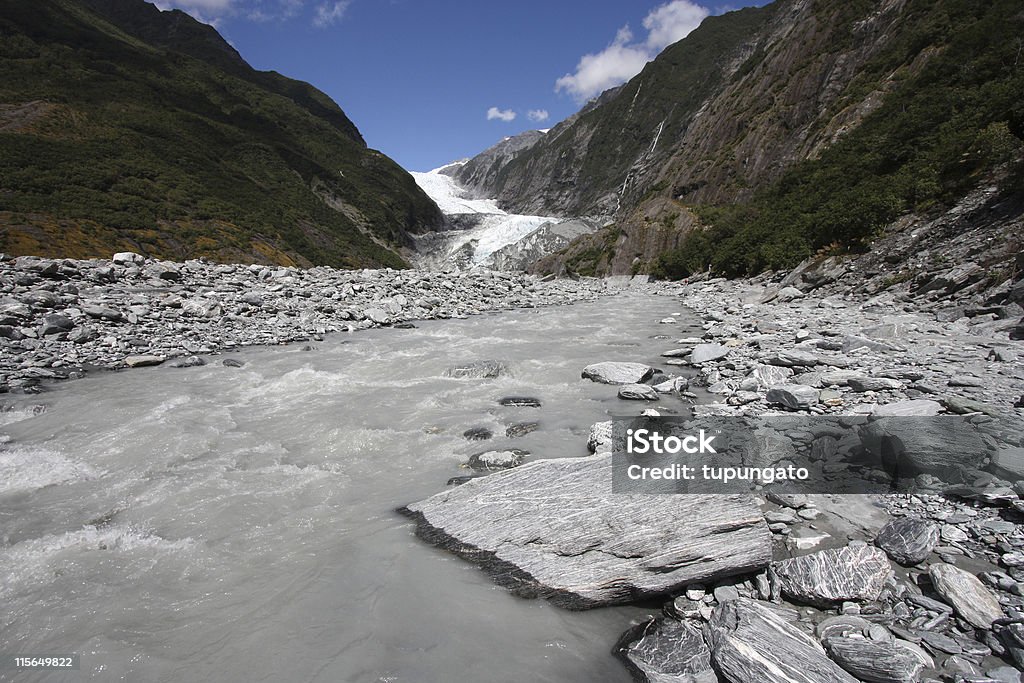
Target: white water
231 524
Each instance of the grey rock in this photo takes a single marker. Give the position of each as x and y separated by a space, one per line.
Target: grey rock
83 335
189 362
55 323
793 358
963 406
704 353
497 460
787 294
143 361
477 434
794 396
863 384
103 312
481 369
125 258
908 540
232 363
966 593
518 429
879 662
751 642
554 529
664 650
638 392
377 315
918 407
610 372
855 342
832 576
771 375
910 447
520 402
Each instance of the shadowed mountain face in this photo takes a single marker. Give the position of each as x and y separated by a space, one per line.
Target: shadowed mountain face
124 127
768 135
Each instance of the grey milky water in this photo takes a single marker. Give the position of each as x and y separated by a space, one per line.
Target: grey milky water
233 524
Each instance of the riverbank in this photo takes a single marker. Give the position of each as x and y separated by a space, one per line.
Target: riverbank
59 318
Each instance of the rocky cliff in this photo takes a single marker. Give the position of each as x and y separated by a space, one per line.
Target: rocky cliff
826 119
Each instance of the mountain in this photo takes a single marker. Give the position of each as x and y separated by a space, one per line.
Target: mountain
127 128
769 135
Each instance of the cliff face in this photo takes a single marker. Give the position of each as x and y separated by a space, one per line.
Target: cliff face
724 114
128 128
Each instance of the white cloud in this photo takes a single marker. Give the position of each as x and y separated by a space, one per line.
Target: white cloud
537 114
505 115
625 57
329 13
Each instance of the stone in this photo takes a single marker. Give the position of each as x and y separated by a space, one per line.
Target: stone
855 342
477 434
794 396
518 429
871 660
752 642
127 258
829 577
770 375
481 369
966 593
520 402
862 384
103 313
638 392
610 372
793 358
554 529
787 294
662 650
55 323
497 460
705 353
377 315
908 540
189 362
143 361
939 447
918 407
964 406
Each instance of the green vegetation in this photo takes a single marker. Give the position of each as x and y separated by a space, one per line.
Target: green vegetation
940 132
146 126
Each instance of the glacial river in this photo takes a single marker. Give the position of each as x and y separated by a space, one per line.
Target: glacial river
238 524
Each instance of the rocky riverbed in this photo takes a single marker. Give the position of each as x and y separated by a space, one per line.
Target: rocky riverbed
811 587
60 317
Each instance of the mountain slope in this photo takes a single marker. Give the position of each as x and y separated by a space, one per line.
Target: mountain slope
124 127
804 125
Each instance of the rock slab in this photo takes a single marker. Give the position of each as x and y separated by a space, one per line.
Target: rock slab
666 651
554 529
610 372
966 593
837 575
752 642
908 540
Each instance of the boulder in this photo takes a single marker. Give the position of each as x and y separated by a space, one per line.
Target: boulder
662 650
793 358
753 642
610 372
518 429
937 446
143 361
638 392
377 315
704 353
520 402
555 529
477 434
862 384
908 540
55 323
127 258
600 438
481 369
794 396
103 312
829 577
877 661
966 593
497 460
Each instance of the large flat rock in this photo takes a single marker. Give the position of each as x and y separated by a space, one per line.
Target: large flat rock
554 529
836 575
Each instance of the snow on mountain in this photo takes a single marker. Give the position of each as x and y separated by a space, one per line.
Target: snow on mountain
490 228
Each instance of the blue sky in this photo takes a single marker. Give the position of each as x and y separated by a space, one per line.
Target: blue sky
431 81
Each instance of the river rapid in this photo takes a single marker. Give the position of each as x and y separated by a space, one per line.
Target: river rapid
239 524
